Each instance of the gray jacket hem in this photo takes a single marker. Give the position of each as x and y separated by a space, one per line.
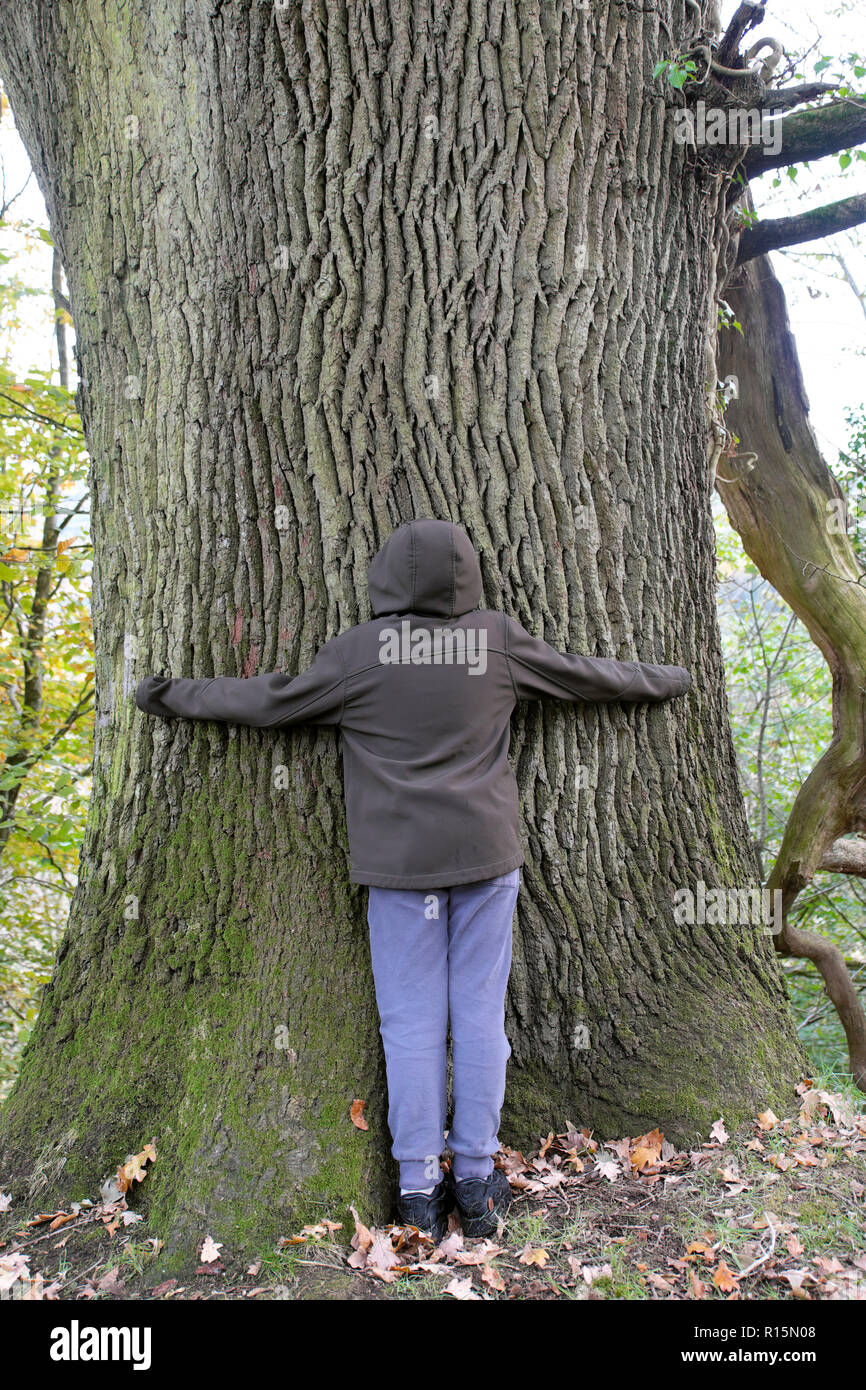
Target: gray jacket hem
449 879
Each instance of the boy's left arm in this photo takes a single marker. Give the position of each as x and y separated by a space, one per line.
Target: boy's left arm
538 669
316 696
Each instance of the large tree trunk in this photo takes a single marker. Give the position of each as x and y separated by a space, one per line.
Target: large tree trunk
327 270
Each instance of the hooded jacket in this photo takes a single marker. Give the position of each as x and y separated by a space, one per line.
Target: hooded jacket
423 696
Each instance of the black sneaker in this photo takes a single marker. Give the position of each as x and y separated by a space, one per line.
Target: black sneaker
481 1202
427 1213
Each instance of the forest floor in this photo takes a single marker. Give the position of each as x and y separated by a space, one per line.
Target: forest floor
775 1210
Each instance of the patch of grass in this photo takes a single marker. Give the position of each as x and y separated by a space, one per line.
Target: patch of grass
134 1257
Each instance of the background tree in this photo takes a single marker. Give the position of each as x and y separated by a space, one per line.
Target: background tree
45 647
780 692
792 516
796 523
332 267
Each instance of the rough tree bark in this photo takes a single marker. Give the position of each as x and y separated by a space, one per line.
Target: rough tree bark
333 266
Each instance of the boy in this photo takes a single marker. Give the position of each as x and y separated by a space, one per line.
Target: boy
423 696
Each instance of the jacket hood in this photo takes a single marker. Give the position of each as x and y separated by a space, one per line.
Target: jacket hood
425 566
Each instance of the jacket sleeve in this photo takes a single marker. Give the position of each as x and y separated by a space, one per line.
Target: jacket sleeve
263 702
537 669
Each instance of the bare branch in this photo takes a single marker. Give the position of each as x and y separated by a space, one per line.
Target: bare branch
784 98
810 135
775 232
845 857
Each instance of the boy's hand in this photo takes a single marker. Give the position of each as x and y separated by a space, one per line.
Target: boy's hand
687 681
148 692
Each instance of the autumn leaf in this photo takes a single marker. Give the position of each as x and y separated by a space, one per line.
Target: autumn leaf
724 1278
13 1267
766 1119
111 1282
699 1288
133 1169
530 1255
492 1277
620 1147
450 1246
162 1289
357 1114
210 1250
381 1260
780 1161
818 1100
462 1289
363 1237
643 1158
647 1150
607 1168
59 1216
61 1219
719 1133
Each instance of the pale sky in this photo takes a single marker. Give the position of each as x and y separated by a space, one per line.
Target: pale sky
827 318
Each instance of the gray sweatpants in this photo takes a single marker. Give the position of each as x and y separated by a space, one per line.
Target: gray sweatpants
438 953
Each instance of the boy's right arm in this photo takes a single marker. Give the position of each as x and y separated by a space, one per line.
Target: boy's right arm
316 696
538 669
